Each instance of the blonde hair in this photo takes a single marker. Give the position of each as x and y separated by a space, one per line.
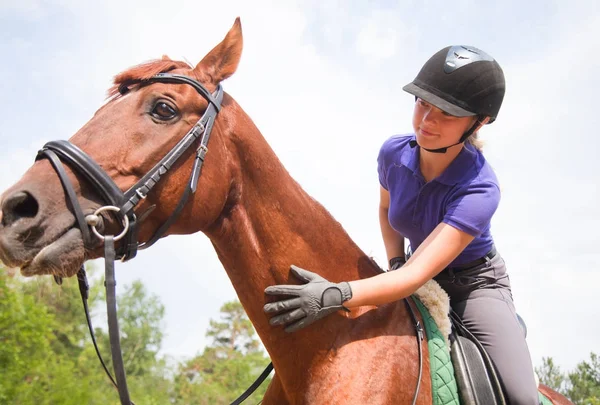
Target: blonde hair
474 138
475 141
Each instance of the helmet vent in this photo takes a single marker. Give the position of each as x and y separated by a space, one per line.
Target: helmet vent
461 55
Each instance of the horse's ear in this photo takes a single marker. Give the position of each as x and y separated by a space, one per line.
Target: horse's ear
223 60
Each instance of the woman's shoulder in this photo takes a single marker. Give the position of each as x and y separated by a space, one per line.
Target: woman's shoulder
476 168
394 147
397 142
486 172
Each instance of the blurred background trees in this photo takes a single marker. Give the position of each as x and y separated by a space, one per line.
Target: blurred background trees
47 357
46 354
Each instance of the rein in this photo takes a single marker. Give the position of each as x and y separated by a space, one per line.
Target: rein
122 205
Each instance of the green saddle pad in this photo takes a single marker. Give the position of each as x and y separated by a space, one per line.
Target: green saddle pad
443 383
543 399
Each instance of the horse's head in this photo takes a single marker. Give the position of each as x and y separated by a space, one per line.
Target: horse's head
146 116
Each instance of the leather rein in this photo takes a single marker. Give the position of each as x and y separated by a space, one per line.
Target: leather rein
122 205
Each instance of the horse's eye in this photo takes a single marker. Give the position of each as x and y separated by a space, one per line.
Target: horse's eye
163 111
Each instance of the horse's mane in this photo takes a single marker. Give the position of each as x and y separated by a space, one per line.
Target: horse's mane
145 71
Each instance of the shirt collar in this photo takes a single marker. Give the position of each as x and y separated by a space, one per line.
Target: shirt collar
461 166
410 157
464 163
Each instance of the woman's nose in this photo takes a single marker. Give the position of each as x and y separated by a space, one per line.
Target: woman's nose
429 115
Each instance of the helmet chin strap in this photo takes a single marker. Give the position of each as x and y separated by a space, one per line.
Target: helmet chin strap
463 138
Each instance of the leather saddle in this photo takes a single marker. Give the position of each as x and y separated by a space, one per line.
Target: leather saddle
478 383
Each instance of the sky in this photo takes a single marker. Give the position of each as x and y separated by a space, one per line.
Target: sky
323 82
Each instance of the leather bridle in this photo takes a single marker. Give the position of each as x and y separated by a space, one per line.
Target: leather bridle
122 204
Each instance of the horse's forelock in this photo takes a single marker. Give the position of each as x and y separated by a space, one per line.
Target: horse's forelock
146 71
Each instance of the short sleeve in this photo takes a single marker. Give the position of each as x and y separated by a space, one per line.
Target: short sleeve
472 207
382 164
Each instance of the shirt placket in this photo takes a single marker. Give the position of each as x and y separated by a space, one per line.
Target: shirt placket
417 217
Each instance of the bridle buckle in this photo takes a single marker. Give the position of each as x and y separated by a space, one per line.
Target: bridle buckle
140 194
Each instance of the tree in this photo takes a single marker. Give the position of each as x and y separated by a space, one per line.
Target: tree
584 382
25 339
582 386
235 333
46 356
227 367
550 375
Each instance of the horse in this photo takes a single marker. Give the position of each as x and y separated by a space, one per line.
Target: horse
257 217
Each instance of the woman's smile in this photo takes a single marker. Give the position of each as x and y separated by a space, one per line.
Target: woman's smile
426 133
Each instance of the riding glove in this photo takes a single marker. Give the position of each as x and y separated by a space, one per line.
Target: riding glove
312 301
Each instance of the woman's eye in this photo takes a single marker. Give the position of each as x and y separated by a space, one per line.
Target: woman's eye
423 103
163 111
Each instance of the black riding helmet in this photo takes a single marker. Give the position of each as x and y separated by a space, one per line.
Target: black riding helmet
462 81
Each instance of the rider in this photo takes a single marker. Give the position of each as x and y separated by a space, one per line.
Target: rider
438 191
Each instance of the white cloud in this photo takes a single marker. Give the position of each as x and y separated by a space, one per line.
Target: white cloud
378 37
326 119
30 9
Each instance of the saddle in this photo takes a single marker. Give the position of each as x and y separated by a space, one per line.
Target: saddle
476 377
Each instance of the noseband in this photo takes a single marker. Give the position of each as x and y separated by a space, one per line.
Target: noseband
122 205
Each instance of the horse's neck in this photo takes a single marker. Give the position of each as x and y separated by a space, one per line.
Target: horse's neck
272 224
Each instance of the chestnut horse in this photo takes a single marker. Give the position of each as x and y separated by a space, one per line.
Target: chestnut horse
257 217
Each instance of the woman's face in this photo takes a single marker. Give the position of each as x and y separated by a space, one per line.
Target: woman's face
437 129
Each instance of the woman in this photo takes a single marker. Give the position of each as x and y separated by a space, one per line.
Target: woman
438 191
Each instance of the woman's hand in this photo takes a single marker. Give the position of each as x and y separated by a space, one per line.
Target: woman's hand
311 302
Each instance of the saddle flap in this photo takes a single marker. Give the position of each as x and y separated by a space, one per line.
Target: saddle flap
472 376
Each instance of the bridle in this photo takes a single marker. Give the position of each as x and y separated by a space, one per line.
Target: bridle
122 204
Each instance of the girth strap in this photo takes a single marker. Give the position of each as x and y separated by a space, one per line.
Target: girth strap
420 337
420 332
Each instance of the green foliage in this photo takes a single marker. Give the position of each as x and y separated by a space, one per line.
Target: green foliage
226 368
584 382
25 338
582 386
550 374
46 356
235 333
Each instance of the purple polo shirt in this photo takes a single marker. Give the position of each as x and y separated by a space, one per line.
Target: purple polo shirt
464 196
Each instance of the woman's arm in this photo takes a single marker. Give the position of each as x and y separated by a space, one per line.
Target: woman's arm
438 250
393 241
317 298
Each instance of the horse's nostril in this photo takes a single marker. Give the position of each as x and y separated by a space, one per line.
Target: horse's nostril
17 206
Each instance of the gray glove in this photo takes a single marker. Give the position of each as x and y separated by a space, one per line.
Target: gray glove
311 301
